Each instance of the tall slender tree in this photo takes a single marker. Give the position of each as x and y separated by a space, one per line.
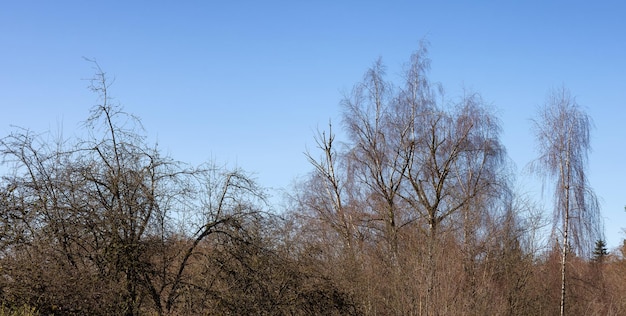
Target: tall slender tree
454 157
562 131
379 152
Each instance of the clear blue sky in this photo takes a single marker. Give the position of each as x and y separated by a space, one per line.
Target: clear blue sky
247 83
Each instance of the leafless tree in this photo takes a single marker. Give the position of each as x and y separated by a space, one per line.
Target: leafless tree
378 154
455 159
328 195
112 214
562 131
418 159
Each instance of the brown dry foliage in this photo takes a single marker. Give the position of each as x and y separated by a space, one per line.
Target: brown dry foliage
414 215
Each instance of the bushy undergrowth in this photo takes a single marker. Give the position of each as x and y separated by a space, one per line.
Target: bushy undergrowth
24 310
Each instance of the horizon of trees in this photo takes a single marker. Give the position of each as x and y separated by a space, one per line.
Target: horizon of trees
415 213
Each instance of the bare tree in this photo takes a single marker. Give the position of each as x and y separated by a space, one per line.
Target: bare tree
418 161
110 215
328 195
562 131
378 155
456 157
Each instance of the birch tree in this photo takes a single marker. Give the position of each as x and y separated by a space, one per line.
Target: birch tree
455 158
562 132
378 155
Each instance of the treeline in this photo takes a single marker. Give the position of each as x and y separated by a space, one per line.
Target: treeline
415 213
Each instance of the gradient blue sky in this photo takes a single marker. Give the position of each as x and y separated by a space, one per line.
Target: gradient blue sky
248 82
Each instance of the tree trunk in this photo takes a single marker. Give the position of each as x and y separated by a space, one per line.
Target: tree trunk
566 203
430 310
563 262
